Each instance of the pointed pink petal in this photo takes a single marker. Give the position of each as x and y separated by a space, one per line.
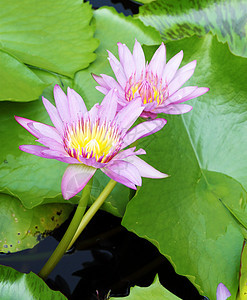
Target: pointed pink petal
101 89
114 60
51 143
180 95
61 156
128 115
108 107
188 67
25 123
55 153
35 150
175 109
54 116
68 160
75 178
93 113
118 178
123 172
145 169
105 90
46 153
142 130
110 82
106 81
171 67
139 58
77 106
198 92
126 59
222 292
127 170
100 80
121 78
179 80
186 93
128 152
158 61
117 69
62 104
44 130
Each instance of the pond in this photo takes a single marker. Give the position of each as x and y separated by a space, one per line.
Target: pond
133 139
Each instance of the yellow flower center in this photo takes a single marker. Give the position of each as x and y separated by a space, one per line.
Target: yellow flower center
149 87
84 139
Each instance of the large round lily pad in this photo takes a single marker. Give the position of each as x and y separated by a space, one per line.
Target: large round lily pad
196 216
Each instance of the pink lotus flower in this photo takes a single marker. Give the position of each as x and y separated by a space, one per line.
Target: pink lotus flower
222 292
89 140
157 84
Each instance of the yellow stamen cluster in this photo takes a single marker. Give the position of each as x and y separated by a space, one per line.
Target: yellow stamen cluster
149 87
86 139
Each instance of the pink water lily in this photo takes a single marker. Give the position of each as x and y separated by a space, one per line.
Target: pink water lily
222 292
88 140
157 84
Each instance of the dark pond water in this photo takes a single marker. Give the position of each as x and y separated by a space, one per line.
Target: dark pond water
106 257
127 7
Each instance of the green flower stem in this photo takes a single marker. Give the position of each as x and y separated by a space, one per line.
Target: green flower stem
93 209
63 245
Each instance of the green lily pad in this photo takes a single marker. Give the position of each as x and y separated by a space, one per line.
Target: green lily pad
23 228
58 37
17 81
197 216
155 291
16 285
178 19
